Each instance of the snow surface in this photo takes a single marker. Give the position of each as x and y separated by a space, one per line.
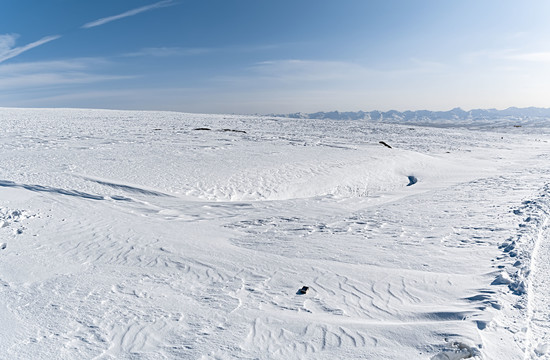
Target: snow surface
132 235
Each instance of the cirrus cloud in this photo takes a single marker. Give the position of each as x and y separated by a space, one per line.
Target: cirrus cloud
8 51
108 19
50 74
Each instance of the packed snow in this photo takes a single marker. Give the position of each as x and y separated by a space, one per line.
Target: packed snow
162 235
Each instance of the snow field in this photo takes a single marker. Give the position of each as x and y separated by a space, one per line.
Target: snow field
142 237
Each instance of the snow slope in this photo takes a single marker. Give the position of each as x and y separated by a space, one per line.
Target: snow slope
128 235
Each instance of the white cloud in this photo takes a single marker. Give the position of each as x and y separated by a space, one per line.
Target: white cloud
7 51
7 42
532 57
33 75
183 51
44 66
128 13
53 79
169 51
332 74
507 55
310 70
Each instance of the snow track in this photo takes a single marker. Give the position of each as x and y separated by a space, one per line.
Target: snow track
538 286
524 270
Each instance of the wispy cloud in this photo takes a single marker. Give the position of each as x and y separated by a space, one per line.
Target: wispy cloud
7 51
342 72
309 70
532 57
508 56
183 51
48 74
105 20
305 84
169 51
48 80
7 42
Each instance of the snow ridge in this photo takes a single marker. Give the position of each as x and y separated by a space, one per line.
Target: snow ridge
527 278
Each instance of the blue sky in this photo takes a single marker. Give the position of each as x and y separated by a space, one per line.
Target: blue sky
260 56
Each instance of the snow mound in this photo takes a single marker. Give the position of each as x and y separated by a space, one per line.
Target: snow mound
362 173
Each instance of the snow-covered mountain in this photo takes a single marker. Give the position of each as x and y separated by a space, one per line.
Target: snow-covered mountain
452 117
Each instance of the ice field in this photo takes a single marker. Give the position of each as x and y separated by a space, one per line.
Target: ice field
163 235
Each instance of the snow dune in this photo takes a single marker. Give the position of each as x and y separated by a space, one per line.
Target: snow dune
130 235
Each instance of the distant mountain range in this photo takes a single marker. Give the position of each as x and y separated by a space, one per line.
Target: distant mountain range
426 116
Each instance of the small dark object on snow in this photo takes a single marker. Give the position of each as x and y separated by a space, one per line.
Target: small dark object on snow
303 290
237 131
412 180
203 128
157 129
383 143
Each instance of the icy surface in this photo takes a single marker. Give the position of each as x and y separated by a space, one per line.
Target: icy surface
128 235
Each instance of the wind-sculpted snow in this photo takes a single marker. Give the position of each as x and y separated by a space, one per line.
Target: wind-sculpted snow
128 235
